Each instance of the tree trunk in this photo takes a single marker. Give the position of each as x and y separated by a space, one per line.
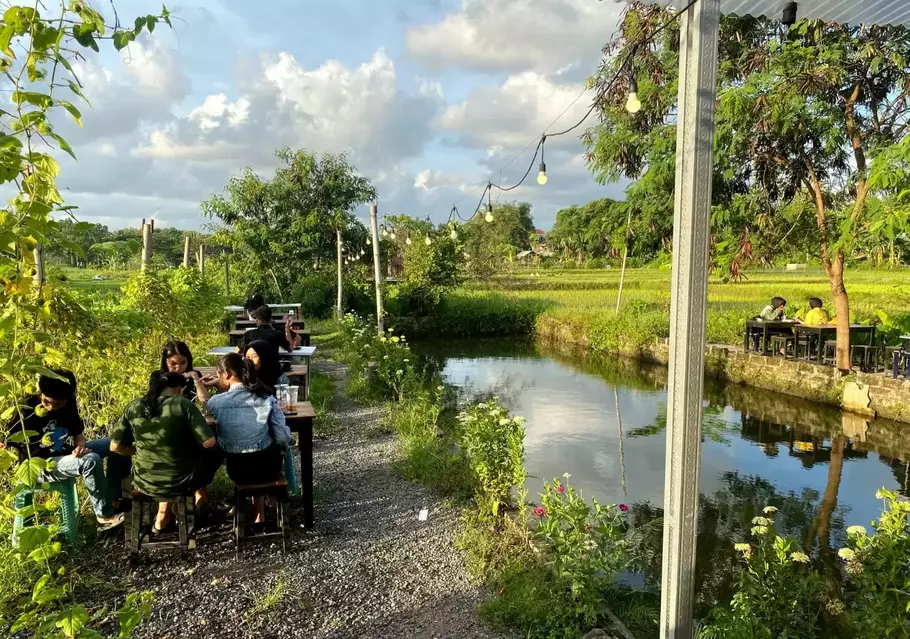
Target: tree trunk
835 272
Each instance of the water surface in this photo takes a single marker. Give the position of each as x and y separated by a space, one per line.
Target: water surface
603 421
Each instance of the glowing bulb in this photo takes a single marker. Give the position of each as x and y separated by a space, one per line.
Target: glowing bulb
392 235
362 252
369 241
408 241
633 104
428 241
384 233
542 174
342 249
489 216
454 234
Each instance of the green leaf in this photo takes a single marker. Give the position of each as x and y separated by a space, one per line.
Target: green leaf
139 24
150 22
84 35
32 537
123 38
43 553
6 36
20 437
39 585
64 145
72 620
73 111
50 594
29 471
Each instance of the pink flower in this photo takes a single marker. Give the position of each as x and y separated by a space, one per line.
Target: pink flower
540 511
561 489
623 508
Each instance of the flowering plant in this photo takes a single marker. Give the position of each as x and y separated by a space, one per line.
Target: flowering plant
586 543
493 443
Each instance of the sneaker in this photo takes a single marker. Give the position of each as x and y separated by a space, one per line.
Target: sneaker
106 523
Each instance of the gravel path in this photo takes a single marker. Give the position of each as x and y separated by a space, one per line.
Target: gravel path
370 568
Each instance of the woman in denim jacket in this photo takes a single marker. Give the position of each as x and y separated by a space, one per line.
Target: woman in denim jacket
251 428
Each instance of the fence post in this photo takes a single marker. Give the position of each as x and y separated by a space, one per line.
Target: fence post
147 229
186 252
377 267
202 260
338 310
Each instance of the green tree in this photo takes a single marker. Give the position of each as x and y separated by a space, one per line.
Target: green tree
801 114
491 244
280 227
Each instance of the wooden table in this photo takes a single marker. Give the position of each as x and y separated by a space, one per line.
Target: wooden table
768 328
240 309
277 322
301 422
306 352
296 370
829 330
237 334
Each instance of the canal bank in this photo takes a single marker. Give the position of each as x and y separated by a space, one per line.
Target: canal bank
869 395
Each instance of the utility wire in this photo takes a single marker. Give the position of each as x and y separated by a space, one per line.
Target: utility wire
607 87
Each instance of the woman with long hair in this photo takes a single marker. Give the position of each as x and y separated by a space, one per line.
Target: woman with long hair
171 443
251 427
265 361
177 358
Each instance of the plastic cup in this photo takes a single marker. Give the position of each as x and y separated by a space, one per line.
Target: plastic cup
293 393
282 394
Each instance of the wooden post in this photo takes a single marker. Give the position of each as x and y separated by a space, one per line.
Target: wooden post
625 254
186 252
688 312
202 260
338 311
377 268
39 264
147 243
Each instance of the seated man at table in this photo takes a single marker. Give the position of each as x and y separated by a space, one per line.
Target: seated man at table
264 331
55 432
817 316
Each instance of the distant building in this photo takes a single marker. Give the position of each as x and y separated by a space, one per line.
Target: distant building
541 236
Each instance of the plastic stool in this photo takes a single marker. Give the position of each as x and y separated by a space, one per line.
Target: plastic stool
291 473
69 508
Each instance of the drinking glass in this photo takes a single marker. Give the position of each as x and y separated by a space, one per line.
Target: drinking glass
293 393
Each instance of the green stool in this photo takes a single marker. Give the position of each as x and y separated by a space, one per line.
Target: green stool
69 508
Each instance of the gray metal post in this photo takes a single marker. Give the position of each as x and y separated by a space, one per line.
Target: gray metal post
377 268
688 305
146 244
186 252
339 313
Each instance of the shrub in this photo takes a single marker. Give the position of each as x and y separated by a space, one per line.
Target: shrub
493 443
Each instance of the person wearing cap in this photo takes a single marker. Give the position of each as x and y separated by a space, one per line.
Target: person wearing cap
54 431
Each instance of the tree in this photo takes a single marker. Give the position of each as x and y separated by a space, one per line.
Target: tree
278 227
491 244
800 116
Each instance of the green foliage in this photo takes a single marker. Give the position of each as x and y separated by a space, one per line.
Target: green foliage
287 225
493 443
468 314
430 272
585 544
489 245
381 364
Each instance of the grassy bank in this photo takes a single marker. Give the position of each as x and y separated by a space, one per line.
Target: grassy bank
583 302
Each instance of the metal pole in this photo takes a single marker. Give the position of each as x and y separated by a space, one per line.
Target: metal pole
377 268
338 311
202 260
688 305
625 254
186 252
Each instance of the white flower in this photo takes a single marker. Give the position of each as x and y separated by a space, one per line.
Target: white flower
769 509
799 557
742 547
761 521
503 422
759 530
846 553
859 531
566 475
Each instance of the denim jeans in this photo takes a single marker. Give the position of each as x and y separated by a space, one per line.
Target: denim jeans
90 467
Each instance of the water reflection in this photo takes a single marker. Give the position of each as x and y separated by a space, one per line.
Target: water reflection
603 420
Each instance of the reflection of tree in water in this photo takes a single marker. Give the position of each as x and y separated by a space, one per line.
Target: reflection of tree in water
725 518
713 426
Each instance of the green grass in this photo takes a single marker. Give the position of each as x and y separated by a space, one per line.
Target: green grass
81 278
585 300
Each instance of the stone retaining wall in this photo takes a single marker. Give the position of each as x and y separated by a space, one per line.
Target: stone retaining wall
864 393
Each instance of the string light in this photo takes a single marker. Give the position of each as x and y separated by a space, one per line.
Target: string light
428 241
633 104
542 169
369 240
454 233
384 232
489 215
392 234
408 240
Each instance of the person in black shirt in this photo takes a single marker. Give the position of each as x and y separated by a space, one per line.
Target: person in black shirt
177 358
254 301
266 362
58 435
264 331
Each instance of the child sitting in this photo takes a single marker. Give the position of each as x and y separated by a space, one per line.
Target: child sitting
817 316
774 312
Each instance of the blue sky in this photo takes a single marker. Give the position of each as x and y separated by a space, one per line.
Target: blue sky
430 98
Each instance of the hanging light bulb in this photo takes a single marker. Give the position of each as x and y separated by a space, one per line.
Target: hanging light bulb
542 174
453 234
392 234
428 241
369 240
384 232
489 216
362 252
633 104
342 248
408 240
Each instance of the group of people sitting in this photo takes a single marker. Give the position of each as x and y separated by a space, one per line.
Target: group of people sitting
816 315
163 437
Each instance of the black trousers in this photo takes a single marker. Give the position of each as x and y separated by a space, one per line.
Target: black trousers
260 467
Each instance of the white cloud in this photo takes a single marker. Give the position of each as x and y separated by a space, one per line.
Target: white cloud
516 35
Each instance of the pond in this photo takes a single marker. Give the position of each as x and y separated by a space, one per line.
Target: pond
603 421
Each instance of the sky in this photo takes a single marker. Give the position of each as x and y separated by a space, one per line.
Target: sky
429 99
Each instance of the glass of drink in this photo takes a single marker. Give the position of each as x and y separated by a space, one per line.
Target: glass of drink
281 395
293 393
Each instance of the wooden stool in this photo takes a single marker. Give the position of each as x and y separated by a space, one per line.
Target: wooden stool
242 492
868 354
147 505
830 347
781 343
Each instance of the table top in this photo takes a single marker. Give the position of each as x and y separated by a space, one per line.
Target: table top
832 327
297 370
238 309
305 411
303 351
772 323
281 319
